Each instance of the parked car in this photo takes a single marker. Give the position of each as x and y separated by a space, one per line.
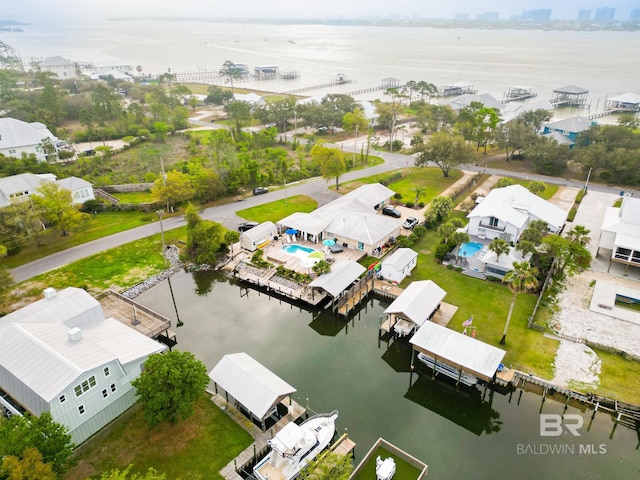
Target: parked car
260 190
391 211
243 227
410 222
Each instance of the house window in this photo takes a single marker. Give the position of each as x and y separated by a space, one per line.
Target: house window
493 221
360 246
62 398
113 387
85 386
12 151
81 409
106 371
105 394
78 390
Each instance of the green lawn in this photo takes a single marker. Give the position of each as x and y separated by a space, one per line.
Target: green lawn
274 211
429 178
135 197
195 448
98 226
488 302
619 378
548 192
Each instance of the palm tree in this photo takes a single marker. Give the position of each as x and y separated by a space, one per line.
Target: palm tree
499 247
459 238
446 230
580 235
537 187
525 246
520 279
419 191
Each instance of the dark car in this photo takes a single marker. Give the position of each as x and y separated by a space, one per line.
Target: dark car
260 190
391 211
410 222
243 227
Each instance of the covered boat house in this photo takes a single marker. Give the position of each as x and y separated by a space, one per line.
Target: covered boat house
627 102
465 354
570 96
257 391
416 304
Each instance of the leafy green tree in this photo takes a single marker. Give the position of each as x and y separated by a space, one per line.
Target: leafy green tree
426 89
27 467
535 231
579 234
58 207
331 161
176 187
520 279
534 119
330 466
230 72
504 182
446 150
278 112
525 247
169 385
206 240
569 256
48 437
355 122
322 267
438 209
239 111
537 187
499 247
207 184
514 137
629 120
446 230
218 96
126 474
548 157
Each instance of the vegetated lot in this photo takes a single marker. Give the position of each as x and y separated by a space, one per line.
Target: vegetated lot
98 226
135 197
527 349
618 378
118 269
274 211
428 178
195 448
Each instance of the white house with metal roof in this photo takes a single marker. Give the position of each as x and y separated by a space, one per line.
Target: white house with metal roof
506 212
251 384
61 355
60 67
620 235
18 137
80 189
351 220
21 186
398 265
457 350
414 306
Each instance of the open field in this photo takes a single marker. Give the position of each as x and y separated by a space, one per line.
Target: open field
274 211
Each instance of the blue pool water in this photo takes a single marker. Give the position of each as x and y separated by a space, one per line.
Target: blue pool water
469 249
297 250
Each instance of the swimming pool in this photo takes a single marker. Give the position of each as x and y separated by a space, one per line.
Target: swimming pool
469 249
297 250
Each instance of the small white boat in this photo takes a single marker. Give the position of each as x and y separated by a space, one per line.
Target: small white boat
448 370
385 469
295 446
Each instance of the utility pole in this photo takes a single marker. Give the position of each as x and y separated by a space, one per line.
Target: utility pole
160 213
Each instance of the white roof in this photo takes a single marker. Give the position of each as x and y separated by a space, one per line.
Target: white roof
400 258
36 348
116 74
514 204
627 241
342 274
56 61
251 98
514 109
561 138
458 103
629 97
16 133
250 383
23 182
260 231
368 109
624 220
74 183
417 302
571 124
571 89
458 350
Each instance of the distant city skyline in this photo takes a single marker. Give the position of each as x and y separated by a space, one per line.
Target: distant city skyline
506 9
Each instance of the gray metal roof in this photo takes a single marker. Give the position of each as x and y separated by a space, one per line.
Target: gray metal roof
250 383
571 89
36 348
73 183
400 258
56 61
571 124
458 350
417 302
561 138
339 278
629 97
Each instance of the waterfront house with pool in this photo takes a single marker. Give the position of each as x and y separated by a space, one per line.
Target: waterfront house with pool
506 212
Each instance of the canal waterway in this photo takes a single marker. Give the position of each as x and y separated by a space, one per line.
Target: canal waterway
341 364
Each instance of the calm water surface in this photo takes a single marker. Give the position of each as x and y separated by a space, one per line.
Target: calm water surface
340 364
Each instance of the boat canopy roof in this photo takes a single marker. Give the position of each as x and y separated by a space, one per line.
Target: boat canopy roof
458 350
250 383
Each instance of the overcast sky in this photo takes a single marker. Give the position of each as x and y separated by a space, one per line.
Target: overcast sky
303 8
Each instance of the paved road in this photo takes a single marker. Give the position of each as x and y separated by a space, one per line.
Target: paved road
225 214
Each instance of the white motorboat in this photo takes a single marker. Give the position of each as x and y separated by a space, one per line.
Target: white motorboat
448 370
295 446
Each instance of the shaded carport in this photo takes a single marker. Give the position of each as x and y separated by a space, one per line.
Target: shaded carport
415 305
464 353
256 389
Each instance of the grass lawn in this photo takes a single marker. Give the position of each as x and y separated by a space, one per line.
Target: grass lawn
135 197
118 268
274 211
527 350
429 178
618 378
195 448
98 226
548 192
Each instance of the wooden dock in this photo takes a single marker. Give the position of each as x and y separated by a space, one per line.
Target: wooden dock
386 290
